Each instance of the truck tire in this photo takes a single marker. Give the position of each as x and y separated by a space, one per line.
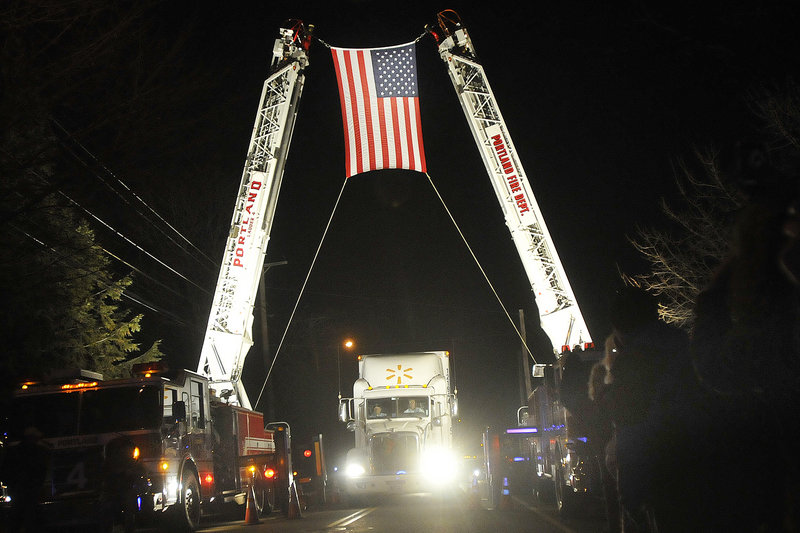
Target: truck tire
263 504
189 506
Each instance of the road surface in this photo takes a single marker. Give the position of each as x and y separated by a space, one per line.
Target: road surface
457 513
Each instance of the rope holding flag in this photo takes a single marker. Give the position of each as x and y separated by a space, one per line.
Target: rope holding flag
380 108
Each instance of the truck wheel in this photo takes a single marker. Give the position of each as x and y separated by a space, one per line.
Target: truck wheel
189 517
262 502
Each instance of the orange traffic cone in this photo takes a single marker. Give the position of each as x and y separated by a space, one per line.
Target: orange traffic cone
251 512
294 503
505 497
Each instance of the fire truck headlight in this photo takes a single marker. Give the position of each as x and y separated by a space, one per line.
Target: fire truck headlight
439 465
354 470
172 487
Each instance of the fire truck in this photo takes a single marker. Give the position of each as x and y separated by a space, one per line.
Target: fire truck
158 447
552 447
402 413
146 449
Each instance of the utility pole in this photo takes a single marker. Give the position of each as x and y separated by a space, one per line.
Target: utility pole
262 307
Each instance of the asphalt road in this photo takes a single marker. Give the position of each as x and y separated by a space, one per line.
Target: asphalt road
456 513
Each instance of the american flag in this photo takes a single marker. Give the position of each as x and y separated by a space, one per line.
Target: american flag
380 108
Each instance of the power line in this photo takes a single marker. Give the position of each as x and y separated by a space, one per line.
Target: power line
113 230
127 293
133 194
132 243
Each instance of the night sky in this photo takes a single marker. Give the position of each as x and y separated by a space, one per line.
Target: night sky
600 101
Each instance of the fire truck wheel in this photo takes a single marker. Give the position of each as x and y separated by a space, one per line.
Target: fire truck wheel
189 517
262 502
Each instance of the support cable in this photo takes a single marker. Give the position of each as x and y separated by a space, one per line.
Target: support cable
463 238
299 296
326 45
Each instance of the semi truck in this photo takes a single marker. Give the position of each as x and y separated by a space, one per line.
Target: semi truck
402 415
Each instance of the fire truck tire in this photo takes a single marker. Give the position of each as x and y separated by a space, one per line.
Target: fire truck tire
189 516
262 502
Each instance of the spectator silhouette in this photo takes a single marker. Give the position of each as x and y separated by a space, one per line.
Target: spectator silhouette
746 350
647 366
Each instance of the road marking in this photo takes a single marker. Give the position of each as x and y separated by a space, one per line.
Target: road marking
349 519
549 520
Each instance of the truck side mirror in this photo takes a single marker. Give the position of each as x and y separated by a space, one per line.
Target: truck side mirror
179 411
344 411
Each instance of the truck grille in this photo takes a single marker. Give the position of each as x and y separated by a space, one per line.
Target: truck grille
394 453
76 471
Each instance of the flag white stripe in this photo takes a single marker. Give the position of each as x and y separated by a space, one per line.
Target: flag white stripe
401 120
412 107
360 117
387 113
344 66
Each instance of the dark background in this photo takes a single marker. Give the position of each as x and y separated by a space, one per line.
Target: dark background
600 101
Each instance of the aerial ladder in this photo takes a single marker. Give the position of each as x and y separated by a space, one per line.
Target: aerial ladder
559 314
228 335
549 433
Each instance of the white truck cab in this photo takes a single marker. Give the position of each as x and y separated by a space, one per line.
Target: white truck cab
402 413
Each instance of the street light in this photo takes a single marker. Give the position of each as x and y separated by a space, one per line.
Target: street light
349 344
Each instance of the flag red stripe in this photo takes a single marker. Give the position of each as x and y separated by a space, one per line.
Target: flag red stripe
408 133
398 148
338 70
353 111
367 111
419 137
384 139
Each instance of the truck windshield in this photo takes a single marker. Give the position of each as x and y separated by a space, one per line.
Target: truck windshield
85 412
398 407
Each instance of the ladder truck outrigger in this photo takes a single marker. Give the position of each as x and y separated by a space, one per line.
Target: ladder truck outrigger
555 453
153 448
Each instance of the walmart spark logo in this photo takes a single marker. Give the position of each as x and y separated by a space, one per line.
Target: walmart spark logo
399 374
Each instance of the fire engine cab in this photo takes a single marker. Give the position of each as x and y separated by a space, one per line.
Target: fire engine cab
146 449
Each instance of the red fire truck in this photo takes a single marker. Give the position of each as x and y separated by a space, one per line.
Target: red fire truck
147 449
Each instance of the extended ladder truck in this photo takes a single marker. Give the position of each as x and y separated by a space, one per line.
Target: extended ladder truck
167 450
555 457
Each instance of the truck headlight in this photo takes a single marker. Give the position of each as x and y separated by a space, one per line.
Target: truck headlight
439 465
354 470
